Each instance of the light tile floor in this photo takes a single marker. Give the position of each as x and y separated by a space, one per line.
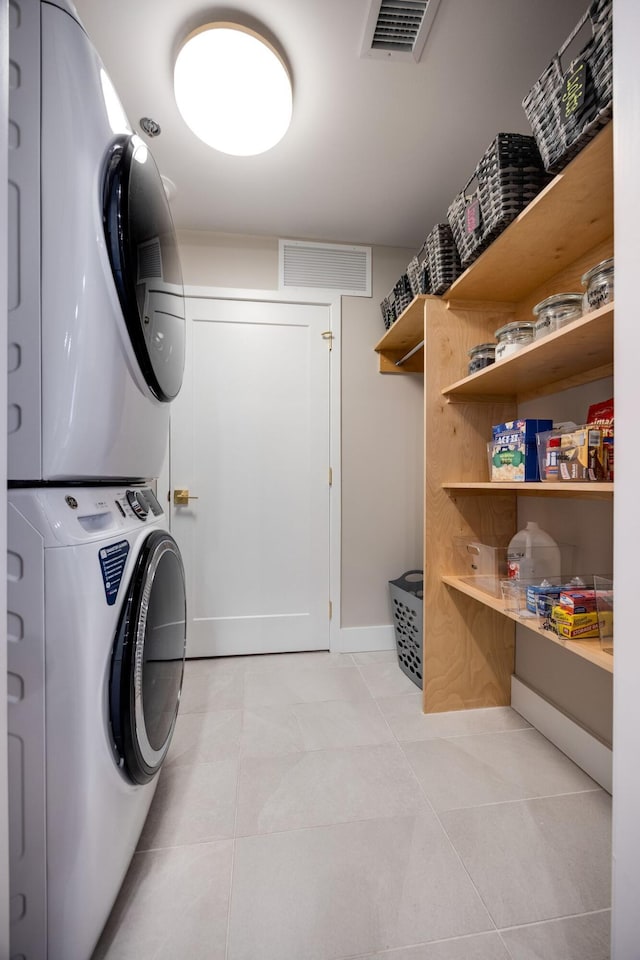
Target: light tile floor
309 811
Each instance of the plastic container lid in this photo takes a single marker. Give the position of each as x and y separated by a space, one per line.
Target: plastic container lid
482 348
517 328
606 266
559 300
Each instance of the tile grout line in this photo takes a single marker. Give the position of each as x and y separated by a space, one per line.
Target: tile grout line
535 796
567 916
481 806
453 848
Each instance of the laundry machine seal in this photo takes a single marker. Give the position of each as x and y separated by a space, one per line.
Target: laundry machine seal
142 248
147 660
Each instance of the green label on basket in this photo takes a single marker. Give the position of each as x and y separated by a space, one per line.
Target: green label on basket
573 90
472 216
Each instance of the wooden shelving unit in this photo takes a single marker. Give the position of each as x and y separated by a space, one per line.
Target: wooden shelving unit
468 636
587 649
587 491
579 353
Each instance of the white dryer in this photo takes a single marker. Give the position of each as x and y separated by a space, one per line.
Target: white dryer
96 319
96 622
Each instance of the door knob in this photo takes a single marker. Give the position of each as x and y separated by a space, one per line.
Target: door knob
181 498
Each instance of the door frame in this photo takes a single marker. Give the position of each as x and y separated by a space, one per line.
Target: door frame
301 297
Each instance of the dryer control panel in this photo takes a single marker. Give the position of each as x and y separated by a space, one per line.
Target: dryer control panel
140 502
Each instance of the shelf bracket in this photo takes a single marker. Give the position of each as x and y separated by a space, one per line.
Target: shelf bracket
408 356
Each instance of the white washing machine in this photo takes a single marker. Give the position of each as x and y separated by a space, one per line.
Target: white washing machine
96 304
96 624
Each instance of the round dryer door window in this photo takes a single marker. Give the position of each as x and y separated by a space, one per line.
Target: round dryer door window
148 659
143 251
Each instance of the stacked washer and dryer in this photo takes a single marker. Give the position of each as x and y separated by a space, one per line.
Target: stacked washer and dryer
96 592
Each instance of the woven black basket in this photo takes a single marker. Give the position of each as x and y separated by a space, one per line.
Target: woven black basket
442 258
418 272
508 177
388 309
560 123
403 294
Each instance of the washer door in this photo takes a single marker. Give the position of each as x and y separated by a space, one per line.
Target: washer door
144 259
148 659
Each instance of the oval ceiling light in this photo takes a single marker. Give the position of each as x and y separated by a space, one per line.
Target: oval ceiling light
233 89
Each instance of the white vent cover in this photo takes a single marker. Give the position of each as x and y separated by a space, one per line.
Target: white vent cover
326 266
398 29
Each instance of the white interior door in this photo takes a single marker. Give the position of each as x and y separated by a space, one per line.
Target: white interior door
250 441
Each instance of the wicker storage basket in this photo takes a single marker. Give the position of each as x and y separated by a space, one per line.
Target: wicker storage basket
403 294
388 309
442 258
508 177
560 123
418 272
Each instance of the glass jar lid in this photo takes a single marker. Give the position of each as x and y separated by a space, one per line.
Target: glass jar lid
482 348
605 267
516 329
561 300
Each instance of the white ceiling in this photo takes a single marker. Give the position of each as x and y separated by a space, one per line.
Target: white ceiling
377 148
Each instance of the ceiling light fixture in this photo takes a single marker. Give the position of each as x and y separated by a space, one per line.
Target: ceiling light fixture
233 89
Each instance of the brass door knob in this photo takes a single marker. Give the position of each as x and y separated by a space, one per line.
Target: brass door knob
181 498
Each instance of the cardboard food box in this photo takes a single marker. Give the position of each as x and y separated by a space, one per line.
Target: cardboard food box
563 615
578 600
586 632
541 599
512 451
581 455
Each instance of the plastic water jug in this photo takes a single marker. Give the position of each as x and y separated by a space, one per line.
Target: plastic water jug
533 555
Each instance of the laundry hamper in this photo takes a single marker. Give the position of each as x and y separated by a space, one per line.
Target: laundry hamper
571 102
406 600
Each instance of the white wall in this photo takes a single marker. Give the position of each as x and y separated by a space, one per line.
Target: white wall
381 493
626 722
4 816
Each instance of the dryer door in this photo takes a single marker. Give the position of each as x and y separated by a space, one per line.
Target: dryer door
148 659
144 259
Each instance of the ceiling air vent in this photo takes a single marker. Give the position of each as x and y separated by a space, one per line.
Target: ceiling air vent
398 29
325 266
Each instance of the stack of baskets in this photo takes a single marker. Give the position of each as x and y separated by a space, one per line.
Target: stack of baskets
566 109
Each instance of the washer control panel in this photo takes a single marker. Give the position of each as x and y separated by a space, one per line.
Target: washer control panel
138 503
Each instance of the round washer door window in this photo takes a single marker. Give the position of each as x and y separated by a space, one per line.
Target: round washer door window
143 252
148 659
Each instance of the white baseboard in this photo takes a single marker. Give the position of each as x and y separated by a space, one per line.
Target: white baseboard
363 639
593 756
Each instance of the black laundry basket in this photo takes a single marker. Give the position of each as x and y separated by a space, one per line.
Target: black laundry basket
406 600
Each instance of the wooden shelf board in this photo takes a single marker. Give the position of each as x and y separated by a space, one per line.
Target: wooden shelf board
593 491
580 351
587 649
406 331
570 216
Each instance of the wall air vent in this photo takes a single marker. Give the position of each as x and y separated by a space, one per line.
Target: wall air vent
398 29
325 266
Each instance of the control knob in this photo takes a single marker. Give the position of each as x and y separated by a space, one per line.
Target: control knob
138 503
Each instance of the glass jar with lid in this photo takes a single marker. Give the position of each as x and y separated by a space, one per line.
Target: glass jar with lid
513 337
481 356
599 284
555 311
